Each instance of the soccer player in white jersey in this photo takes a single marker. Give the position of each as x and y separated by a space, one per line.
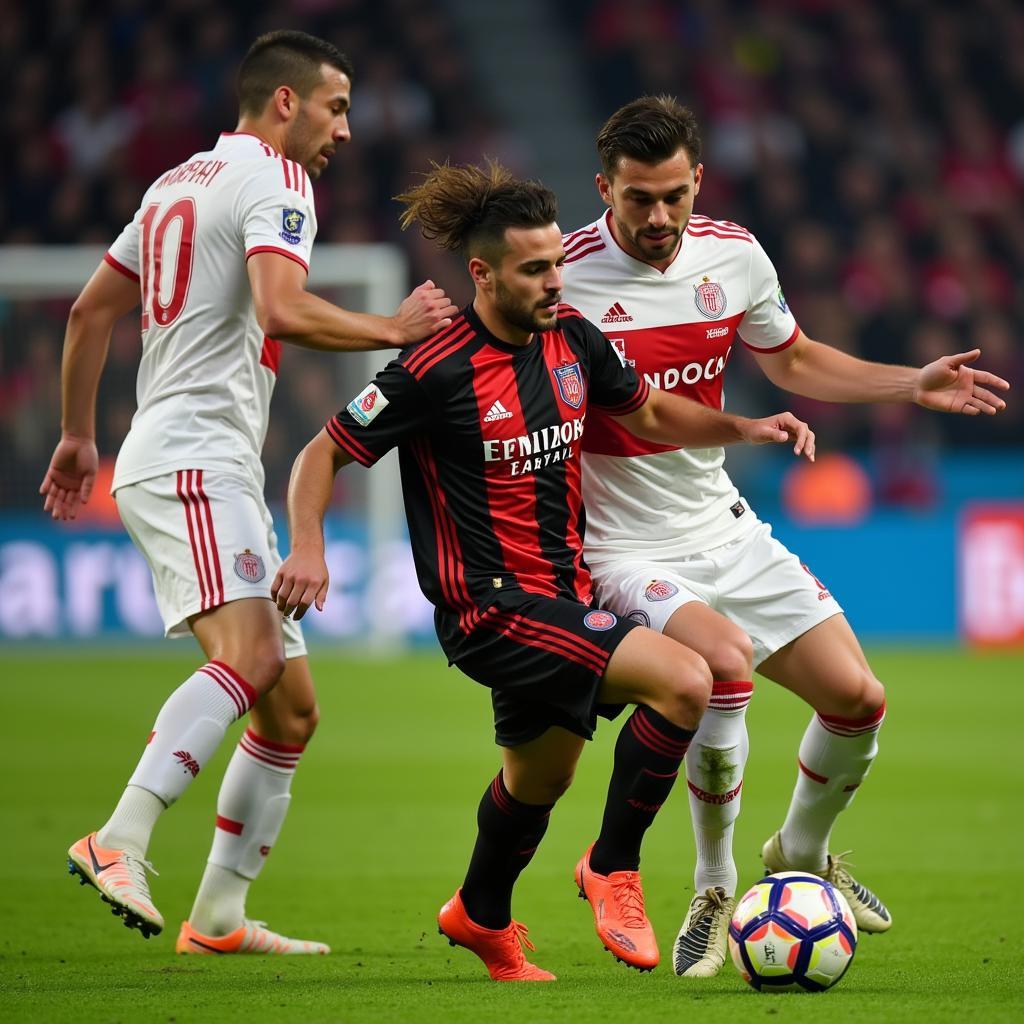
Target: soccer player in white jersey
669 539
219 250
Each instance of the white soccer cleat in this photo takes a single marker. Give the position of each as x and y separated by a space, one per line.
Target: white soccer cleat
120 877
870 913
703 940
252 937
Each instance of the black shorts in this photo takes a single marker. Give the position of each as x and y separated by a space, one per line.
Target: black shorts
543 659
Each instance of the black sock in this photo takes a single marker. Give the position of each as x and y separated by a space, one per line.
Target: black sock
648 753
509 834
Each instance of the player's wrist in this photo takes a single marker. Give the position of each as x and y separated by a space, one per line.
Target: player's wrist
78 435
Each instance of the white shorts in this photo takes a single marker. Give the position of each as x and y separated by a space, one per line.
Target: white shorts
209 539
753 581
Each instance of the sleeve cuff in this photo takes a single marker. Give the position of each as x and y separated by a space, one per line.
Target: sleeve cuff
344 440
120 267
624 408
281 252
778 348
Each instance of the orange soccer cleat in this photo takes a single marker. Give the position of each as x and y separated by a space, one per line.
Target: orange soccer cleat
500 949
251 937
618 903
120 877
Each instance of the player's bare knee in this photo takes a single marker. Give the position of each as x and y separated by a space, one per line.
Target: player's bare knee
862 696
264 662
688 692
731 658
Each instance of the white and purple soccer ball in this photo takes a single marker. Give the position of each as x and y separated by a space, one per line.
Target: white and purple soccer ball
792 931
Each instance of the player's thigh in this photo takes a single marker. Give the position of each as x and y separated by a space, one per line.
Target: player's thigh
767 592
721 643
653 669
674 600
540 771
288 712
827 668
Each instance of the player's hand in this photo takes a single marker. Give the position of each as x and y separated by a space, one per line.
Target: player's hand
301 581
950 385
424 311
70 477
779 429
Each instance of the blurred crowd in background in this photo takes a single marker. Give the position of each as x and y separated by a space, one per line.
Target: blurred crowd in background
875 149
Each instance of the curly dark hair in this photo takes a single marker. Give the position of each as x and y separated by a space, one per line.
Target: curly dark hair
467 208
650 129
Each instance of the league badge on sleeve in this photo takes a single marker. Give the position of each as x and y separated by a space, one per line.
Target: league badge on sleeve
570 384
367 405
291 225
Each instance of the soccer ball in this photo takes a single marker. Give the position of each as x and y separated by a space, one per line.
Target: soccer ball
792 931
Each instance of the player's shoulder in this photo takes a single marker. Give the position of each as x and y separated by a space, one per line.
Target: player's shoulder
701 226
443 353
585 242
270 173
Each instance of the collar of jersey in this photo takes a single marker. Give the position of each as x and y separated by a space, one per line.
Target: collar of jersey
485 335
246 139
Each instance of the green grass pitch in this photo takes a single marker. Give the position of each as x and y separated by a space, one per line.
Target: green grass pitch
380 832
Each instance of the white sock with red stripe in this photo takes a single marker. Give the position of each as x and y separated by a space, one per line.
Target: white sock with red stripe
251 809
714 778
187 731
835 755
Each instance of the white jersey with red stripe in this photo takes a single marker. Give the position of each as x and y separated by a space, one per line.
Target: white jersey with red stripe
677 328
207 370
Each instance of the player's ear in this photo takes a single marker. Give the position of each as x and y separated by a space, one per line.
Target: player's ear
698 173
604 186
481 272
285 102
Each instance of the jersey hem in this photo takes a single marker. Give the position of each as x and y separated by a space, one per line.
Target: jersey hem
227 465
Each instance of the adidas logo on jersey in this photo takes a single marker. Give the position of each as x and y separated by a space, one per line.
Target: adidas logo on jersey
616 315
497 412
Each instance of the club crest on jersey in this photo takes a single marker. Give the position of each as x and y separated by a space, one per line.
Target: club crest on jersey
570 384
249 567
599 620
709 297
781 299
660 590
367 405
291 225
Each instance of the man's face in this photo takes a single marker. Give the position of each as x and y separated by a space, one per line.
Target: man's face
320 124
528 279
651 205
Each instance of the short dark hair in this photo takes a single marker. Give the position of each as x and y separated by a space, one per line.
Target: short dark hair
467 208
650 129
285 57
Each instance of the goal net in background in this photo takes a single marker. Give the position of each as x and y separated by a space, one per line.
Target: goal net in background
85 580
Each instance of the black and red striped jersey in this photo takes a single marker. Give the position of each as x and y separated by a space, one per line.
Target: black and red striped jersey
489 444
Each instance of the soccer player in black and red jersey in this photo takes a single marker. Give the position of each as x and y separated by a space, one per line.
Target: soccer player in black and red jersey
488 416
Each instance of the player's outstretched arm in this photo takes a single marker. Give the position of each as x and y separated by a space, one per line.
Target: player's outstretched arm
671 419
819 371
289 313
303 578
72 471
